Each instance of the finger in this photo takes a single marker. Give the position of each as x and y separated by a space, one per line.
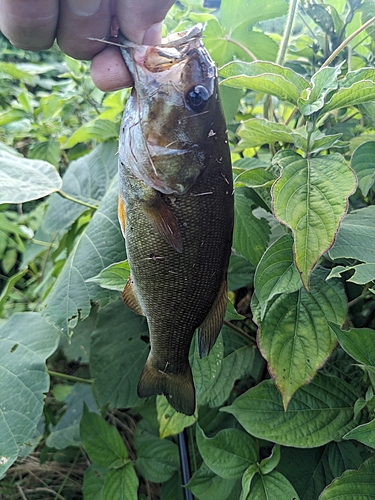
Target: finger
140 20
29 25
79 21
109 72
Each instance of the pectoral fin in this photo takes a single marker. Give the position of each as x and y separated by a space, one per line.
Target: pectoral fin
121 215
163 220
211 326
130 298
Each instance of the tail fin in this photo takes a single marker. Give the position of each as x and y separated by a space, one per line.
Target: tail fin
177 387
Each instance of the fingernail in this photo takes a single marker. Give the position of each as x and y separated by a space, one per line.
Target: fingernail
84 7
152 36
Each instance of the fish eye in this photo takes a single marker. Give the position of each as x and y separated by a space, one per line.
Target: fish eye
197 98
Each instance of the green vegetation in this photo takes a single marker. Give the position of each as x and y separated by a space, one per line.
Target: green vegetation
289 416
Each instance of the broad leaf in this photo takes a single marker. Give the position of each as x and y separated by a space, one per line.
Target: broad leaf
276 272
258 131
363 164
26 341
93 482
157 459
23 180
250 234
101 130
356 237
318 413
66 432
205 484
235 12
240 272
272 486
364 433
311 197
268 464
357 342
358 93
358 484
113 277
117 355
87 179
48 151
121 484
265 77
295 337
311 470
229 453
363 273
101 441
171 422
98 246
254 178
323 81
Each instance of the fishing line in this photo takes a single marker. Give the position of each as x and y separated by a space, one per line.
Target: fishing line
185 469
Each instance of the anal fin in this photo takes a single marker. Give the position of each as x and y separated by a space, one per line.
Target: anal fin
163 220
130 297
121 215
177 387
211 326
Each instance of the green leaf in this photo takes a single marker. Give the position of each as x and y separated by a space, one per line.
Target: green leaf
229 453
364 433
157 459
240 272
26 341
362 163
235 12
258 131
364 273
250 234
356 237
206 485
294 336
101 130
121 484
254 178
268 464
48 151
323 81
24 180
318 413
8 287
170 421
265 77
231 314
276 272
66 432
358 93
98 246
117 355
113 277
311 198
93 482
311 470
88 179
357 342
247 478
101 441
273 486
358 484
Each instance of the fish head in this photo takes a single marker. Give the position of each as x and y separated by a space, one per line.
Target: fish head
171 113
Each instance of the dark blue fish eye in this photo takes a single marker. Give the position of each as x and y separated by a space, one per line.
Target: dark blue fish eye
197 98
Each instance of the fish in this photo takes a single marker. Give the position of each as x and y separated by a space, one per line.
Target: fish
175 206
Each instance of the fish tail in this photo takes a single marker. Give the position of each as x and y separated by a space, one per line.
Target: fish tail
177 387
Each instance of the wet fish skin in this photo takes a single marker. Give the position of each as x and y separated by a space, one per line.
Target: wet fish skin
179 213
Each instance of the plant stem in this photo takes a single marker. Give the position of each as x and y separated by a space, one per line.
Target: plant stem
346 41
75 200
241 46
288 30
72 378
240 331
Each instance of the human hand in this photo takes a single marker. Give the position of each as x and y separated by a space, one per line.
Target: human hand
34 25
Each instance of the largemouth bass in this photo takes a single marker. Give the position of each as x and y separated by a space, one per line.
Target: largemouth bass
175 206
